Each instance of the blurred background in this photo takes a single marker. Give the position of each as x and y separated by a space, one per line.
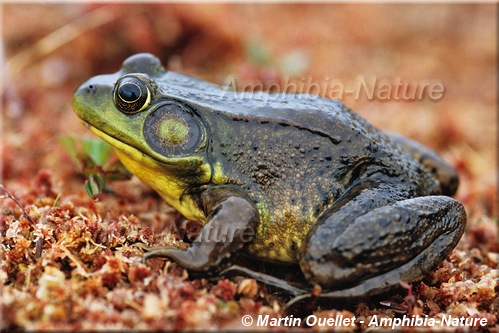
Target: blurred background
49 49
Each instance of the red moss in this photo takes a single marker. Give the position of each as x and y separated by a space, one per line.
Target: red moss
138 273
187 290
43 184
485 236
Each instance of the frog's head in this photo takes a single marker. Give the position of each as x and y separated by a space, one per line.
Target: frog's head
155 135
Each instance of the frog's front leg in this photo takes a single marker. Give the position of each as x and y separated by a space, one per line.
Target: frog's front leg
232 219
372 239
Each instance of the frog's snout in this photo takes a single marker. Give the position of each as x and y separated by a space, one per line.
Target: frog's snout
85 98
88 89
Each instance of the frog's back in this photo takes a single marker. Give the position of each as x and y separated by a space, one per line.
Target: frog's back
278 137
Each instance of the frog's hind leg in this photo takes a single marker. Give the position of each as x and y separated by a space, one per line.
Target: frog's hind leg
367 254
441 170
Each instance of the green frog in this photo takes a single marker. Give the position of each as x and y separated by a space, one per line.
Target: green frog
286 178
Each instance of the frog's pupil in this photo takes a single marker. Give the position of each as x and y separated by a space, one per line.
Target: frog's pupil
129 92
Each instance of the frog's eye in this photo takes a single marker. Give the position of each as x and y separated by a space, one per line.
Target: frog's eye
172 130
132 94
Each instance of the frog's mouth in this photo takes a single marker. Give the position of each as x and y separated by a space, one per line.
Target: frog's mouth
131 151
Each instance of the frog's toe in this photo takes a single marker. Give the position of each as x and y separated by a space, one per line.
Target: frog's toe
158 252
143 246
266 279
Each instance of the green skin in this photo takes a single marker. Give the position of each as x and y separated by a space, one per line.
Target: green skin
286 178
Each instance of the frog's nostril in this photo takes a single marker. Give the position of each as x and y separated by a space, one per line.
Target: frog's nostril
90 89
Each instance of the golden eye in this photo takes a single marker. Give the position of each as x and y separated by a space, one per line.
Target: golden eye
172 130
131 94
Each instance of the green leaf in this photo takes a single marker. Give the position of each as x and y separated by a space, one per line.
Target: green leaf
95 159
98 150
56 201
69 144
94 185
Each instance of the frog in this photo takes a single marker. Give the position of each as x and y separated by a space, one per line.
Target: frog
282 178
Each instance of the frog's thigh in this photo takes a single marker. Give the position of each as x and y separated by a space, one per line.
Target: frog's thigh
403 241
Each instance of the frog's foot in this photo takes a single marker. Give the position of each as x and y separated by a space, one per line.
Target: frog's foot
377 248
266 279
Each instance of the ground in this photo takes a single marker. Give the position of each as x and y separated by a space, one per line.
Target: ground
67 260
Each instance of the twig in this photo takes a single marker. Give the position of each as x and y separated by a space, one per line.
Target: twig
80 267
13 198
39 242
